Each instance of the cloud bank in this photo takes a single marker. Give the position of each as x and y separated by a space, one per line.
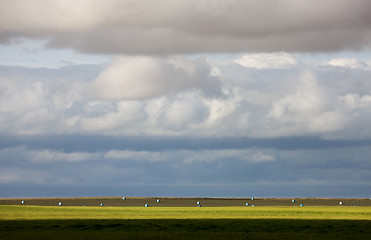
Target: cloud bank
168 27
250 96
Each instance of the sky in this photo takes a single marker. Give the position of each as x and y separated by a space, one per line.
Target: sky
186 98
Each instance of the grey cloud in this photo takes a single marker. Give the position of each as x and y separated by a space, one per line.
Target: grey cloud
90 109
168 27
46 92
13 175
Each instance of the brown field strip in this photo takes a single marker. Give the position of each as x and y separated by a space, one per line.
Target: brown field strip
185 202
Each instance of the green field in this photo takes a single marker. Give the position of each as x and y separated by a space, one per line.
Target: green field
45 222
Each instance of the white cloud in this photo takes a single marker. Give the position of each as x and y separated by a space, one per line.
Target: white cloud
180 113
14 98
354 101
192 156
261 157
47 156
122 120
138 155
329 121
268 60
148 77
352 63
296 110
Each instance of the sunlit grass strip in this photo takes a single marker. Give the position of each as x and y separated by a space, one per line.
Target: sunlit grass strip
42 212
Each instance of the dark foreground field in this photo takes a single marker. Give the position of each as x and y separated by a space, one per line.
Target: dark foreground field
186 229
185 202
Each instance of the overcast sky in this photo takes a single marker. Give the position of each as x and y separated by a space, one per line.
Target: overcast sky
206 98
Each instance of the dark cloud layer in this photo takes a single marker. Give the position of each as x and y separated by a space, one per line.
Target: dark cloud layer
103 166
168 27
83 143
252 190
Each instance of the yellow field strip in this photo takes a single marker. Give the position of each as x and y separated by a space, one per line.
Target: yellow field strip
61 212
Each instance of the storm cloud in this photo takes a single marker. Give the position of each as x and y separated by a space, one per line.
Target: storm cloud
168 27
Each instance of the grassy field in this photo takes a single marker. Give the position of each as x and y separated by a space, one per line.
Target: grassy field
45 222
242 222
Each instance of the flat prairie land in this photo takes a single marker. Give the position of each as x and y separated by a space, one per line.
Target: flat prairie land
171 218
